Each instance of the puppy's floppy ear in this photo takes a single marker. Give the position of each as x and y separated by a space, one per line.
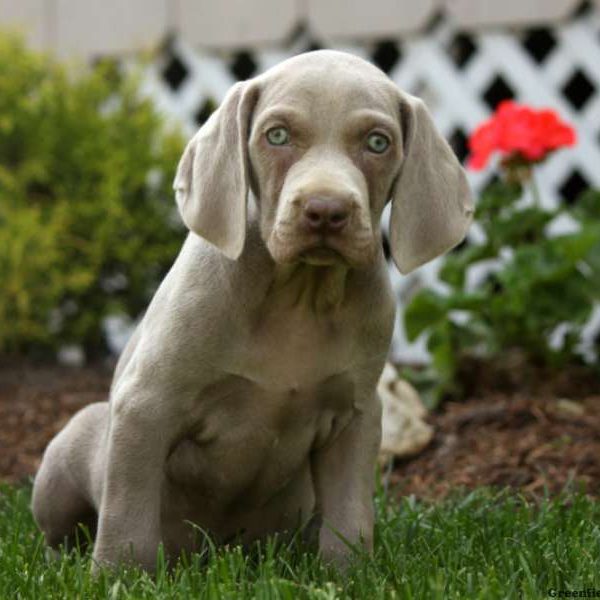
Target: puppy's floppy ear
431 202
212 180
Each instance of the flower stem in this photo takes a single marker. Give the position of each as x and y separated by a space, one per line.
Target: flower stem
535 190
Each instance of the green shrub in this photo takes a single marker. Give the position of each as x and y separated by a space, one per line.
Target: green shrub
541 283
531 308
86 167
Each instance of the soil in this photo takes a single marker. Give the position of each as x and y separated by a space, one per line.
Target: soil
35 404
532 430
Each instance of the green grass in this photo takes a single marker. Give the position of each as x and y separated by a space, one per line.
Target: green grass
477 545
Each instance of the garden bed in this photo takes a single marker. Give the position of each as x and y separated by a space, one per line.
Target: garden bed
35 403
530 430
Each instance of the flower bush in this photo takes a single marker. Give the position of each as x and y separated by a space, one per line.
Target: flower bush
86 167
536 287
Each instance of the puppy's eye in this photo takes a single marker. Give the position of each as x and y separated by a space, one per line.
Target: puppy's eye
378 143
278 136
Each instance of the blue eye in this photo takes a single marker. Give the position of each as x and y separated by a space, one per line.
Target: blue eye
378 143
278 136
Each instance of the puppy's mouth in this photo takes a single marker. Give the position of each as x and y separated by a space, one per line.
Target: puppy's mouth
320 250
322 255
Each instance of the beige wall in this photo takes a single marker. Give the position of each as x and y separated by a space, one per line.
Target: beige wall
86 28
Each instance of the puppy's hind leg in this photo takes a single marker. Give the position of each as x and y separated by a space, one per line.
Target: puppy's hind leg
59 507
62 490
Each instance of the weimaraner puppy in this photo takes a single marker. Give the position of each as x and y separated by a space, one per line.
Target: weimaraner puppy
246 401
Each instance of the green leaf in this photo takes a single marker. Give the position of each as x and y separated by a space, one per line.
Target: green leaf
456 264
587 207
470 301
524 226
424 310
497 197
576 246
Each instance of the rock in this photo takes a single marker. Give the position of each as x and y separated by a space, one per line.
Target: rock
71 356
564 407
404 430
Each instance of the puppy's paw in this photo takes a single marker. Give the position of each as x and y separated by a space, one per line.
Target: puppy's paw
147 558
101 562
51 554
341 551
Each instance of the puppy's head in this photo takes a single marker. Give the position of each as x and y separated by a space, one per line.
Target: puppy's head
324 140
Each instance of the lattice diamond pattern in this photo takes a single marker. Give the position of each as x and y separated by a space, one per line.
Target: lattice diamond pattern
497 91
458 140
387 54
461 77
461 49
175 73
204 111
578 89
539 43
243 66
573 186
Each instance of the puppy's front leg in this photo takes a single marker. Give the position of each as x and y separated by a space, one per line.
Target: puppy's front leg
129 526
343 474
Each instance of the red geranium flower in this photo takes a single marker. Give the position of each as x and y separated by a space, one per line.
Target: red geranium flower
520 133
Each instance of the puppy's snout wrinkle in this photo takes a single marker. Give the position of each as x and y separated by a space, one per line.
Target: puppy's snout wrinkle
325 215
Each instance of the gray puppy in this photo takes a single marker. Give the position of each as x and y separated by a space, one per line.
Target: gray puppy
246 400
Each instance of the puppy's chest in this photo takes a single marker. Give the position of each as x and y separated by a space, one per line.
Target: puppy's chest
287 388
249 441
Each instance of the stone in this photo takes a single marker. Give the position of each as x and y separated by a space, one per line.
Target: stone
404 429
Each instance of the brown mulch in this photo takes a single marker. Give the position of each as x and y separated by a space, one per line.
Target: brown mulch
35 403
531 443
529 431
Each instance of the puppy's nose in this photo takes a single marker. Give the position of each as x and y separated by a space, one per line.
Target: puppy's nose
326 215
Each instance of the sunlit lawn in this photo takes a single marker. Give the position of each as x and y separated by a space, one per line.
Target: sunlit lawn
477 545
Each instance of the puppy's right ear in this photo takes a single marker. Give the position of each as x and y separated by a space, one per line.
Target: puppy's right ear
212 180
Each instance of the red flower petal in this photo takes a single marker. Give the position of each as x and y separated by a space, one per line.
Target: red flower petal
521 130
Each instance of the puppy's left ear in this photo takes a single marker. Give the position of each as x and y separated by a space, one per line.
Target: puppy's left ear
212 180
432 206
